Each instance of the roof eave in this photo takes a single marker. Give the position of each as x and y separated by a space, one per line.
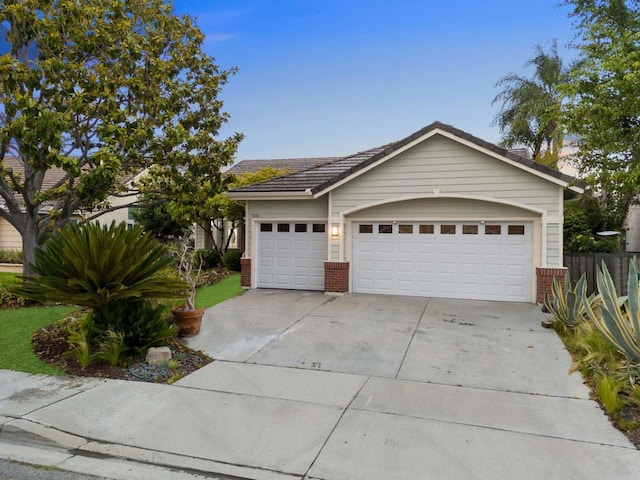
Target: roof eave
277 195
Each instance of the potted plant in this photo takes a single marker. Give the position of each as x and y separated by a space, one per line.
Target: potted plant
187 317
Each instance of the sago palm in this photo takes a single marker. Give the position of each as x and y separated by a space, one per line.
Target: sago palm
95 266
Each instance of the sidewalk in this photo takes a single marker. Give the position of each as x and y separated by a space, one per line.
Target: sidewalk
270 423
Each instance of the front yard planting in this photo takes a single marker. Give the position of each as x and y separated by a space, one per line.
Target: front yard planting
122 284
17 326
602 333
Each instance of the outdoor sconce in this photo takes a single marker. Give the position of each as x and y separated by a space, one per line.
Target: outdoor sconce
335 230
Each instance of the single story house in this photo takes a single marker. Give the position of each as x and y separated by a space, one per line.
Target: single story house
10 238
439 213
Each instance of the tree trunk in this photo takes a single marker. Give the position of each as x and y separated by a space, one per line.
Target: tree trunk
29 244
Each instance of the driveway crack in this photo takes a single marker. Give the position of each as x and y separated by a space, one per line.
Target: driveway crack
412 336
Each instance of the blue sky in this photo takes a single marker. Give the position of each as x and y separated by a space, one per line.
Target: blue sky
325 77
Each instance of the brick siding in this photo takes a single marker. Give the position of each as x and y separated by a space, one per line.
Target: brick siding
544 277
245 272
336 277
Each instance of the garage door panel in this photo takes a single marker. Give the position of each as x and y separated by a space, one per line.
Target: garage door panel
467 264
428 248
291 260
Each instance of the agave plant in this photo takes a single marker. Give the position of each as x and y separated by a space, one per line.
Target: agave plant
618 319
566 303
95 266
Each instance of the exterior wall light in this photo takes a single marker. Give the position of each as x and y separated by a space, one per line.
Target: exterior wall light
335 230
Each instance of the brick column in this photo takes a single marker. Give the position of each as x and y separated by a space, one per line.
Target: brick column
544 277
245 272
336 277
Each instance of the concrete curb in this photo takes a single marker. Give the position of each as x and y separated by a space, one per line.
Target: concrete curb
29 442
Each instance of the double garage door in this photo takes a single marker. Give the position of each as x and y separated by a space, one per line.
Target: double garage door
471 260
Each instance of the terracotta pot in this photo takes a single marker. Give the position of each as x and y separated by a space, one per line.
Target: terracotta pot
188 321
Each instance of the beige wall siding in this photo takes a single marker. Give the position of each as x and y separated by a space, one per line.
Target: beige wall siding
553 245
443 208
445 167
284 209
118 216
10 239
442 164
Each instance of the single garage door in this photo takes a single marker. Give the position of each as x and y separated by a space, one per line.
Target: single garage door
471 260
292 255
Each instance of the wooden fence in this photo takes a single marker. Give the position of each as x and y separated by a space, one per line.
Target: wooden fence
589 263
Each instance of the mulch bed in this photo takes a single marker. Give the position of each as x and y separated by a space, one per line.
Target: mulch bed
50 346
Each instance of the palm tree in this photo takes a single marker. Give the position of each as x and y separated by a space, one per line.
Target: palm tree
530 112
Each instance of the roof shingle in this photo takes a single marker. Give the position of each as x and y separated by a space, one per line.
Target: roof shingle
317 179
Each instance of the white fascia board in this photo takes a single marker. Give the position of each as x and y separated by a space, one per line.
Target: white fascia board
271 195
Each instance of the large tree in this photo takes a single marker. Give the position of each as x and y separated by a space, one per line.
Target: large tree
199 196
604 101
530 110
96 91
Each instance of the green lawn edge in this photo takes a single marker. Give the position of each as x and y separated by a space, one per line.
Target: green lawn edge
17 326
220 291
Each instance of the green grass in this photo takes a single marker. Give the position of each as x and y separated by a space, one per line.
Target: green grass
7 278
16 328
17 325
218 292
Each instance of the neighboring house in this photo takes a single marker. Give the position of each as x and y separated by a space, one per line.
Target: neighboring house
290 165
439 213
10 238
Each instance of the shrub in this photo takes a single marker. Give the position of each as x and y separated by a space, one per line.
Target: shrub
566 301
232 258
10 256
208 258
140 323
618 319
94 266
608 390
113 271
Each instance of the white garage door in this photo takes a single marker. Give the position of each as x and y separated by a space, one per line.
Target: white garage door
471 260
291 255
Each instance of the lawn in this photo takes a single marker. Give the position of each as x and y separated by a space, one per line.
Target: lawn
7 278
17 325
220 291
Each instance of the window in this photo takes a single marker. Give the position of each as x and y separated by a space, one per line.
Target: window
300 227
131 212
404 229
283 227
266 227
470 229
516 230
492 229
319 228
447 229
426 229
366 228
385 228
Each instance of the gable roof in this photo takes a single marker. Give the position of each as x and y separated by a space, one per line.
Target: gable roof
293 165
317 181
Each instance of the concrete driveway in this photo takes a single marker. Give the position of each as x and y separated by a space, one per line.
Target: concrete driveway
307 386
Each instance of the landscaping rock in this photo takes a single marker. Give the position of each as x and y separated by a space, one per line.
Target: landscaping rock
158 355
